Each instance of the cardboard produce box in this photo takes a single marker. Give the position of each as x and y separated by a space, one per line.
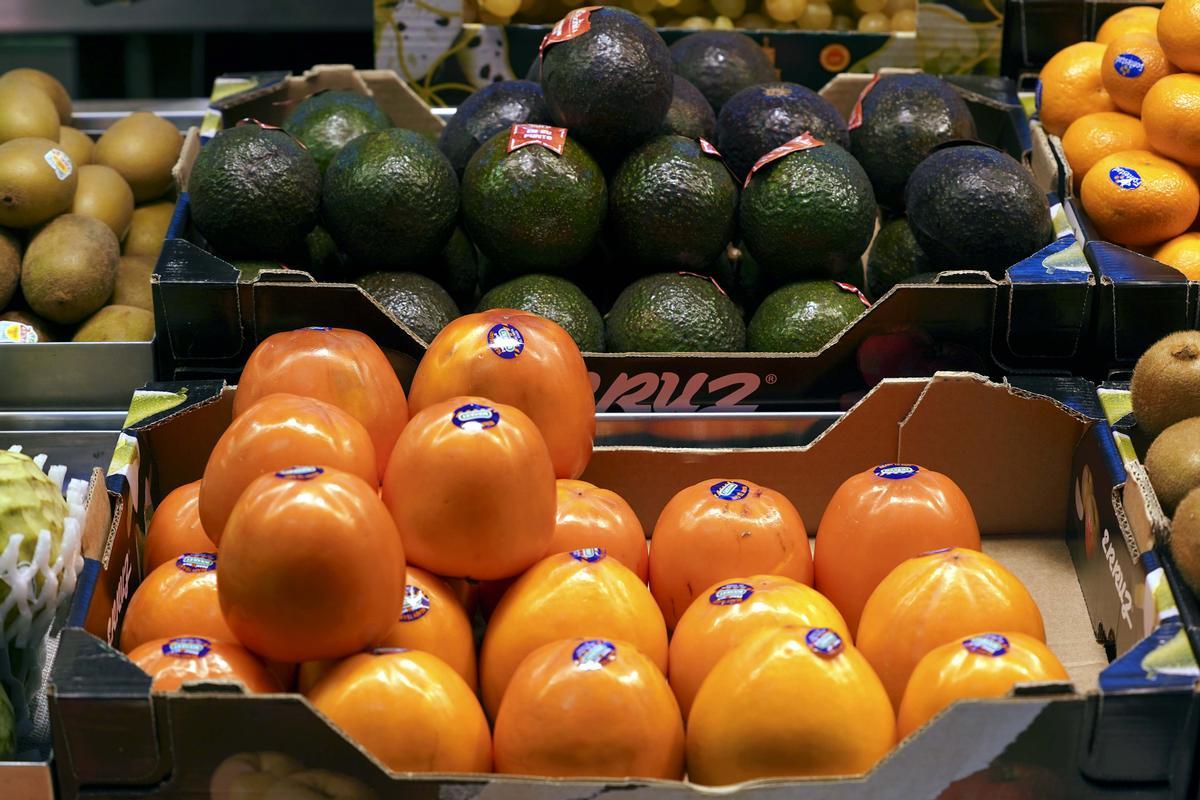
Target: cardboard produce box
1044 484
1036 319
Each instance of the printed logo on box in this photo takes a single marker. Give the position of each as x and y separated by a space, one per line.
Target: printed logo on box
1129 65
856 119
17 333
834 57
575 23
60 162
299 473
475 417
896 472
593 654
824 642
589 554
731 594
416 604
729 490
987 644
196 562
805 141
187 647
524 134
1125 178
506 341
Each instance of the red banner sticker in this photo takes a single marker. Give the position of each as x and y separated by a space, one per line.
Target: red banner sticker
575 23
805 141
551 138
856 115
850 287
707 147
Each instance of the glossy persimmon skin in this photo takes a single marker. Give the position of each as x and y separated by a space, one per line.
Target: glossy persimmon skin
178 598
589 516
184 659
175 528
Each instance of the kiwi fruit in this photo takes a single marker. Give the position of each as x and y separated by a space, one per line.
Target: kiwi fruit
1166 382
10 266
25 110
148 228
117 324
1173 462
1184 542
76 144
46 331
70 268
133 282
143 147
104 195
49 84
37 182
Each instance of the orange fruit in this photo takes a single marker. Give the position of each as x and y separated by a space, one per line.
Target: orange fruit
589 708
1171 114
1070 86
1138 198
344 368
877 519
170 663
729 612
408 709
311 566
583 594
178 598
723 528
788 703
1137 19
1182 253
936 598
1179 32
588 516
1132 64
1094 136
521 360
175 528
981 665
275 433
471 488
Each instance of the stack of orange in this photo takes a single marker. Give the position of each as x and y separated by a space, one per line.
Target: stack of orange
1127 107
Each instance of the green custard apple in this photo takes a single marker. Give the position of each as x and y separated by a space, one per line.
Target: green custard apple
30 502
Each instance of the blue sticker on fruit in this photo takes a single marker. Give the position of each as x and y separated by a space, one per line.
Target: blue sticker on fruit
388 651
1125 178
300 473
824 642
506 341
416 604
187 647
318 328
474 417
896 472
589 554
729 490
730 594
593 654
196 562
1037 96
1129 65
987 644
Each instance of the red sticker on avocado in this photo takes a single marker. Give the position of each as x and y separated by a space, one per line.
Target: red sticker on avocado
856 115
575 23
805 141
850 287
707 147
524 134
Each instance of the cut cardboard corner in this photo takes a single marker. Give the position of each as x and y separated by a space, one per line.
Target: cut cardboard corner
97 517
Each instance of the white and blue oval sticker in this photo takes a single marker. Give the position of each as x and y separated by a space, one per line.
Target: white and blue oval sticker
729 490
1125 178
589 554
300 473
730 594
196 562
1129 65
187 647
593 654
416 604
824 642
475 417
987 644
896 472
506 341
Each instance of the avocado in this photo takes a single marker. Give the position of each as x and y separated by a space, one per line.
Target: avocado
810 213
758 119
555 299
721 63
533 210
325 121
973 207
611 85
142 147
390 200
70 268
903 118
254 192
690 114
534 73
672 206
319 256
417 301
894 258
674 313
10 266
494 108
803 317
457 269
37 182
117 324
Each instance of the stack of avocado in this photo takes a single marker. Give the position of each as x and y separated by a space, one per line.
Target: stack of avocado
693 204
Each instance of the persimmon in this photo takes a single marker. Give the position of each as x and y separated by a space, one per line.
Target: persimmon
588 516
175 528
184 659
176 599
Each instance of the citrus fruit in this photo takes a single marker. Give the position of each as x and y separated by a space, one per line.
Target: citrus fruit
1171 114
788 703
344 368
275 433
1132 64
1182 253
589 708
723 528
175 528
170 663
311 566
877 519
471 488
1094 136
588 516
1070 86
178 598
521 360
936 598
1138 198
979 665
729 612
1140 19
408 709
1178 30
582 594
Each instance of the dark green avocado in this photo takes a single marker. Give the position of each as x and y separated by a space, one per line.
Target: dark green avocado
417 301
325 121
494 108
690 114
803 317
895 257
721 63
674 313
758 119
556 299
